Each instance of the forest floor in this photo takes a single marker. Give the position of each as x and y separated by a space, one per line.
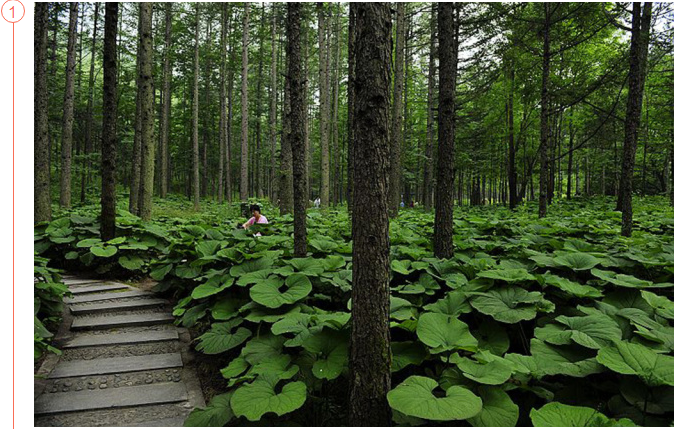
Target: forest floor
123 362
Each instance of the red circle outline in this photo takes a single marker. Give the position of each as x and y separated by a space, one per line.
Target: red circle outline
3 15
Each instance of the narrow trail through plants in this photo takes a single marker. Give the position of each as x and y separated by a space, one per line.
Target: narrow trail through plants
123 362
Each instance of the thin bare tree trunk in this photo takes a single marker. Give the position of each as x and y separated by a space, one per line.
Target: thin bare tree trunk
431 97
166 106
397 116
243 184
88 143
273 110
222 125
147 90
195 116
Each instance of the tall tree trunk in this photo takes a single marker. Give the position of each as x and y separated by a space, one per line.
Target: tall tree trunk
88 143
447 79
636 80
257 159
68 106
136 151
206 126
147 90
570 160
243 183
109 130
222 125
166 105
431 98
273 111
544 128
324 107
42 210
286 162
297 118
511 169
195 116
351 63
370 350
397 116
643 184
228 149
337 31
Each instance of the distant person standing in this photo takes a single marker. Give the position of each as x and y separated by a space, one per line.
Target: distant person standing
317 203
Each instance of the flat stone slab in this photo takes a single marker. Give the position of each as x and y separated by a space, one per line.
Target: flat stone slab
98 288
112 306
169 422
105 296
119 321
126 338
79 368
52 403
74 281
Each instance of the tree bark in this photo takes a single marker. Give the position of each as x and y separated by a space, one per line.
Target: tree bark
88 144
228 149
206 110
397 117
109 131
544 131
222 125
136 154
337 31
147 90
447 79
370 351
511 169
273 110
351 63
286 162
243 183
431 98
68 107
636 81
42 210
195 116
297 118
258 156
324 107
166 106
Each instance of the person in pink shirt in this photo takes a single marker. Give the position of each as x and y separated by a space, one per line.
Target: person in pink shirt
257 217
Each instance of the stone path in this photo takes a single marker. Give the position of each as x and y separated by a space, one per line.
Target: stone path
123 362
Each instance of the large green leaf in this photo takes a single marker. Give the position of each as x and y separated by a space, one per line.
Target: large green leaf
207 248
104 251
510 304
498 409
274 292
622 280
453 304
307 266
131 262
255 399
251 266
492 372
216 414
331 350
208 289
406 353
262 348
445 333
593 331
414 397
661 305
577 261
222 337
400 309
507 275
635 359
555 414
571 287
565 360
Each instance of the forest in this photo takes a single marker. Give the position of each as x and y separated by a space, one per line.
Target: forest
470 205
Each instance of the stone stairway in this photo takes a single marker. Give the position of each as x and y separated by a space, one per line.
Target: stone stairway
123 362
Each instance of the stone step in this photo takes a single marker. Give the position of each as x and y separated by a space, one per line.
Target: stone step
171 422
52 403
75 281
98 288
105 296
121 306
79 368
120 321
126 338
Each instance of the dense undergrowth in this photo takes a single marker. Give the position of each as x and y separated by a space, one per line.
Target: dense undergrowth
556 321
